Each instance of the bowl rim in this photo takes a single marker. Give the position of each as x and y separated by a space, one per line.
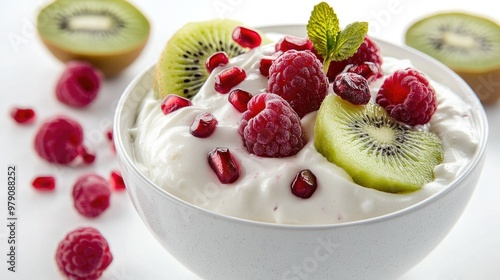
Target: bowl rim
476 109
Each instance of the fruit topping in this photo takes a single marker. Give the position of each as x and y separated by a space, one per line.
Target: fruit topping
265 63
79 84
116 181
224 165
270 127
298 77
368 51
204 125
330 42
109 34
59 140
239 99
229 78
181 68
91 195
173 102
215 60
369 70
293 43
352 87
44 183
373 148
246 37
23 115
408 97
83 254
304 184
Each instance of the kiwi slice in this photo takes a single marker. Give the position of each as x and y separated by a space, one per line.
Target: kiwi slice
375 150
468 44
181 67
110 34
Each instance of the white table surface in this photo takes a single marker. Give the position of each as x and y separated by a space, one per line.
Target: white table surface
28 73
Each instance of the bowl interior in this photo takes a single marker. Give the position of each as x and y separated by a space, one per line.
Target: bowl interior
129 104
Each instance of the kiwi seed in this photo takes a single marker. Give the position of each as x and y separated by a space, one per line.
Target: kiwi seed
110 34
181 68
375 150
468 44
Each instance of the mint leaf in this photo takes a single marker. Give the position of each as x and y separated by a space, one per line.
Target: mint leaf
348 40
322 29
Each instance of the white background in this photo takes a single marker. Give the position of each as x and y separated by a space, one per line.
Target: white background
28 73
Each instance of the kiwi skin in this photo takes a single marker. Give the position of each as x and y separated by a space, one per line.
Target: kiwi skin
485 85
482 80
110 62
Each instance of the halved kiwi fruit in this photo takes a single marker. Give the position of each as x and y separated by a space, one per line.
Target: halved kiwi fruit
468 44
110 34
375 150
181 67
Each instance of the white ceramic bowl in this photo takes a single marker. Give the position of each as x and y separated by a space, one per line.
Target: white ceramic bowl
218 247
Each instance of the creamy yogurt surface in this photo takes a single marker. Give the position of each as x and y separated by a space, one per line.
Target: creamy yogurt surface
176 161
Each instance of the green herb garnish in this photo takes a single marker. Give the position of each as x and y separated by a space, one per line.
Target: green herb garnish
332 43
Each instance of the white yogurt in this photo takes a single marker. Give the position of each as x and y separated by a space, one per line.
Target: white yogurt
172 158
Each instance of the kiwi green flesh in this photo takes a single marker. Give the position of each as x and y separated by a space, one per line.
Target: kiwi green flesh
463 42
375 150
93 27
181 68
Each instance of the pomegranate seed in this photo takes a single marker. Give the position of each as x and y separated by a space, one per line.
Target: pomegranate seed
87 156
79 84
265 64
203 125
59 139
293 43
239 98
109 134
215 60
116 181
246 37
23 115
174 102
304 184
223 164
44 183
367 69
228 78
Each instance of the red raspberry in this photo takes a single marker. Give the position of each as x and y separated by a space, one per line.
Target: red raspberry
298 77
408 97
83 254
91 195
79 84
270 127
367 52
59 140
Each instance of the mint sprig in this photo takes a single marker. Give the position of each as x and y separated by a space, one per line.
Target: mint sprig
332 43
